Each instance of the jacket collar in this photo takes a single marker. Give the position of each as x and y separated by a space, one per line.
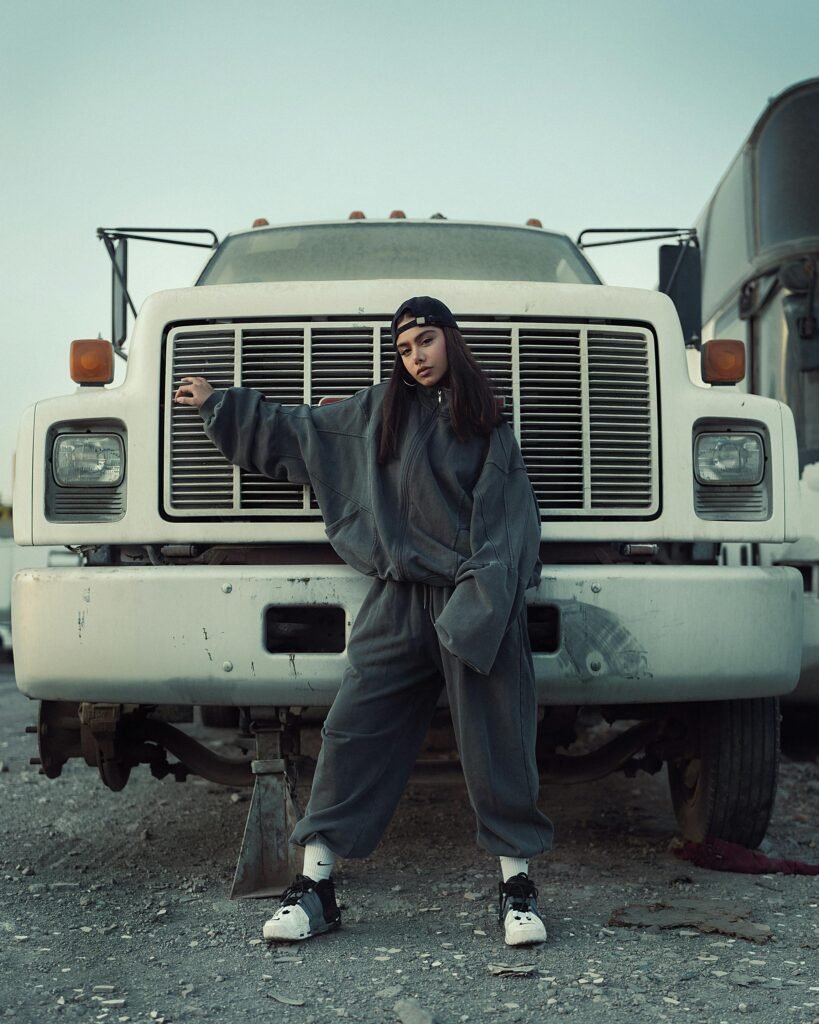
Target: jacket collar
430 398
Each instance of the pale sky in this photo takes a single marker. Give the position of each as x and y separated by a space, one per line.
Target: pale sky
203 114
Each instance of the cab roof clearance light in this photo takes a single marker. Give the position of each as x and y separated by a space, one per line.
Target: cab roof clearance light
91 361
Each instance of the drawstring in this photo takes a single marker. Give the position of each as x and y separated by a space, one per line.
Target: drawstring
428 601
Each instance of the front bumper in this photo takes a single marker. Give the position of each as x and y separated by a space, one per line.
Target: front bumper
194 635
807 692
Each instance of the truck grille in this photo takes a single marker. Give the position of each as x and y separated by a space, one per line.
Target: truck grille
582 400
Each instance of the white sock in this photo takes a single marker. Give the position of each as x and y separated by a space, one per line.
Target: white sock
511 866
318 860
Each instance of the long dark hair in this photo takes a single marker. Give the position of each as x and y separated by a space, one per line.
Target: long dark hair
473 407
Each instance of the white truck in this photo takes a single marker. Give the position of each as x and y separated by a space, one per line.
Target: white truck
204 585
760 246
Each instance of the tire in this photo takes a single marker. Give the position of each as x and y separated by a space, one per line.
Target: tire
724 785
221 716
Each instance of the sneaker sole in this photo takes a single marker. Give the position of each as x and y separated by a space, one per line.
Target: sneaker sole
523 940
302 936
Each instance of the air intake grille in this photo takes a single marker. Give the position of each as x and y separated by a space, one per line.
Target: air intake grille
619 421
744 503
582 401
87 504
551 416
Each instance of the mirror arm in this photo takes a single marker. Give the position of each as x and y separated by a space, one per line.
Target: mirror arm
645 235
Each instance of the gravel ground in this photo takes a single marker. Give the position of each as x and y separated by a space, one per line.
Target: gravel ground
115 908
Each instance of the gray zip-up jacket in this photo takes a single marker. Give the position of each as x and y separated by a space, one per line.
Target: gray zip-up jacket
445 512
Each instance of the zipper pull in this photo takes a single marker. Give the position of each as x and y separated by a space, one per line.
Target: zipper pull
440 395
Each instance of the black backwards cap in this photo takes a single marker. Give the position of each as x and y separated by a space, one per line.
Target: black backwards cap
424 310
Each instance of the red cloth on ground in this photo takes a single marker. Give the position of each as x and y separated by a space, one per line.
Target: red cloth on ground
720 855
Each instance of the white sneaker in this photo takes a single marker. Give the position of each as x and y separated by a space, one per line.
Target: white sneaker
308 908
518 913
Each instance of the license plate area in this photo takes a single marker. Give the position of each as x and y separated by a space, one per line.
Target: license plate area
304 629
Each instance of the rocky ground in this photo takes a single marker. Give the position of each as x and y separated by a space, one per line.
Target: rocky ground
115 908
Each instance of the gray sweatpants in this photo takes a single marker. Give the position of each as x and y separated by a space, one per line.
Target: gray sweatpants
379 719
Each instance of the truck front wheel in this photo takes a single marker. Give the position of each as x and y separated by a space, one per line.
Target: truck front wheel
724 784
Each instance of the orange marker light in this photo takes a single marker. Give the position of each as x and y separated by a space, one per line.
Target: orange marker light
261 222
533 222
356 215
92 361
398 215
722 361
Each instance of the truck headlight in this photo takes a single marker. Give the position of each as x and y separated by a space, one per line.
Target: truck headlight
88 460
729 459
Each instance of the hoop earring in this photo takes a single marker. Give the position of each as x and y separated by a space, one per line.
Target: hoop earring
407 383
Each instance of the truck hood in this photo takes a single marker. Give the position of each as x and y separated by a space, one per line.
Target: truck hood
380 298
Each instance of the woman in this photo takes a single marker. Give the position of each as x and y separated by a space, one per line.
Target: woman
422 487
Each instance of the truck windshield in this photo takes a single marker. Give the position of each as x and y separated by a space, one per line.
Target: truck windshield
359 251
